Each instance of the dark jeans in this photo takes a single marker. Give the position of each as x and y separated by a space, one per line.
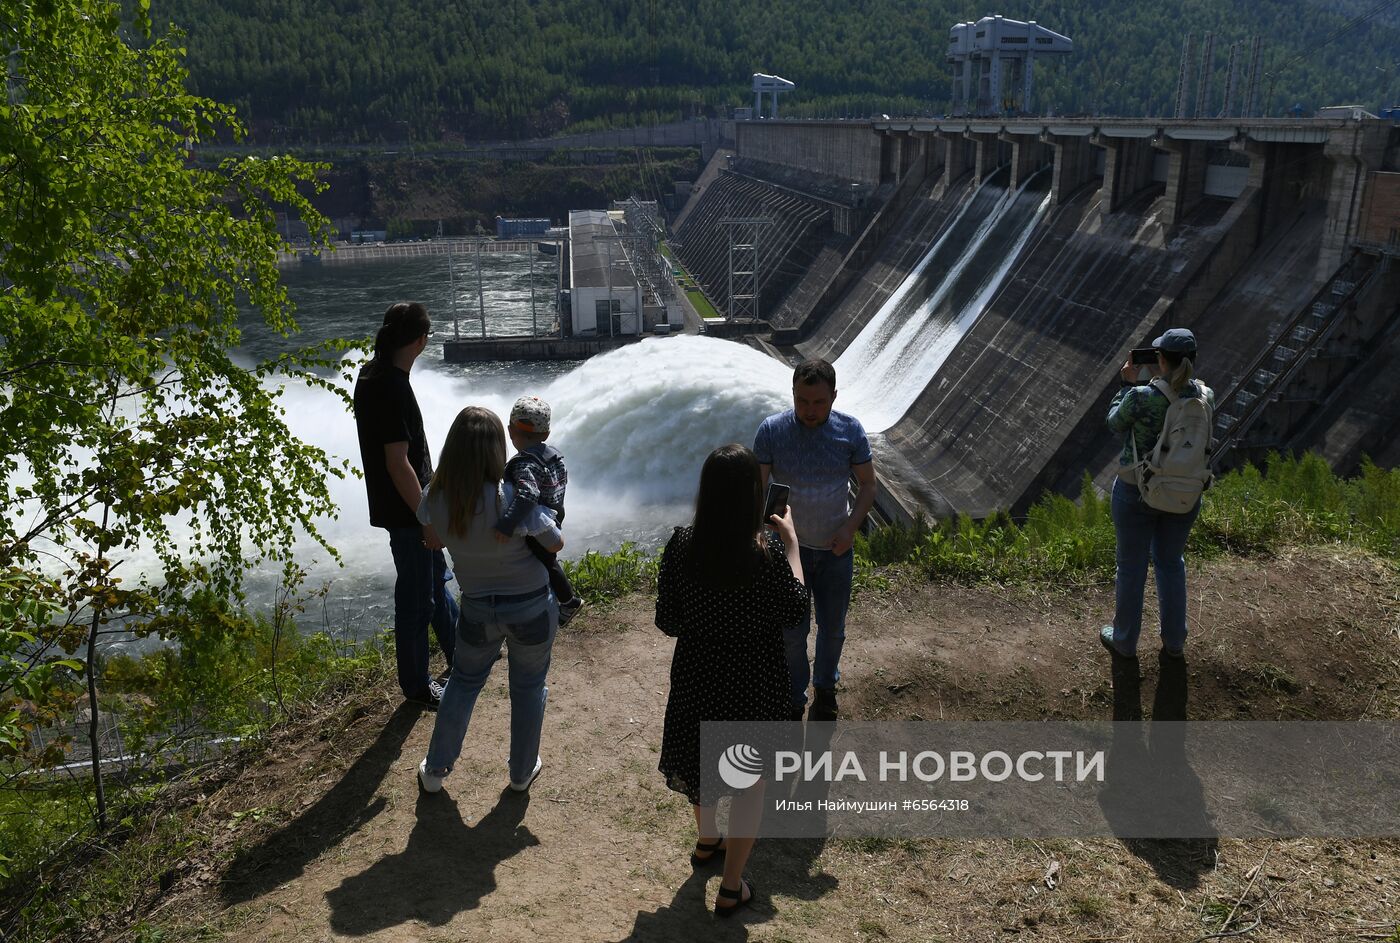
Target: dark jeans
558 582
420 598
828 577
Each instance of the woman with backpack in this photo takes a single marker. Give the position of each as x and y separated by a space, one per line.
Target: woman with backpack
1162 470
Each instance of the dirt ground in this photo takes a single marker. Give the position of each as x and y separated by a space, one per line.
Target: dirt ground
329 837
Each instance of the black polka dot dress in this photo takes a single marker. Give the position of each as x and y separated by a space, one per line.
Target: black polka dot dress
728 664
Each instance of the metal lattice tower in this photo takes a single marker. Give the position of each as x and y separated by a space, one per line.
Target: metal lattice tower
1251 98
1183 78
744 283
1203 86
1232 79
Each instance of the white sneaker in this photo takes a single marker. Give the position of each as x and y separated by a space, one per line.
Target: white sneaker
534 774
427 780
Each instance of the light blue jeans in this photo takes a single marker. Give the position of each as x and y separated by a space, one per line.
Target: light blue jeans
526 623
828 577
1143 530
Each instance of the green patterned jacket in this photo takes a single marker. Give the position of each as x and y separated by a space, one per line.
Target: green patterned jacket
1139 411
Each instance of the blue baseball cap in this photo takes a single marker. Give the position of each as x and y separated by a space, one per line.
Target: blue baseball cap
1177 340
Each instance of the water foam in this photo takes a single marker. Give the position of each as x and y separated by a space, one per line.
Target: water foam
634 426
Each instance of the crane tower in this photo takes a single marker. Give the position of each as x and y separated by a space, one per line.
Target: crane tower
994 63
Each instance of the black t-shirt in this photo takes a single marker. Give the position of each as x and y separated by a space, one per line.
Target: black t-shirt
386 411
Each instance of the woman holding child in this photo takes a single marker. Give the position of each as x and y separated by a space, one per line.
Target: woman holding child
505 596
726 589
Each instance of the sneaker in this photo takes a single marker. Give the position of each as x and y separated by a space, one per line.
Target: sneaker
824 705
429 701
534 775
435 689
427 780
567 610
1106 639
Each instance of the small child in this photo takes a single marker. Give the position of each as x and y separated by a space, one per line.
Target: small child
537 473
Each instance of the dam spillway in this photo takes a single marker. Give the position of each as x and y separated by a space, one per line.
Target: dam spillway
987 347
913 333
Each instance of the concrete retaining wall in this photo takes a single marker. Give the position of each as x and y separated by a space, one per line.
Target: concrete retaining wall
848 150
532 348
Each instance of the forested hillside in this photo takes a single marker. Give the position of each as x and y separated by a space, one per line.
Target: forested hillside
427 70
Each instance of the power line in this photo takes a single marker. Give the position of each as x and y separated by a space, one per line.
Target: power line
1335 35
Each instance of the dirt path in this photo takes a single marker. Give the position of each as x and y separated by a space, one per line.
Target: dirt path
330 838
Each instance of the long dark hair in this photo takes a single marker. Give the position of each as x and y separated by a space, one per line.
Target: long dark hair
728 516
473 456
404 323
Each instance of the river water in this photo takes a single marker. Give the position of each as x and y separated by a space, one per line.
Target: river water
634 425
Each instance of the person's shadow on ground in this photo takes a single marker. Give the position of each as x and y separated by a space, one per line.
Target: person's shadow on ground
1154 789
446 868
778 866
283 855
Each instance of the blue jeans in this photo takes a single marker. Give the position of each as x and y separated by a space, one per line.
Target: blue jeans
527 625
420 598
1144 530
828 577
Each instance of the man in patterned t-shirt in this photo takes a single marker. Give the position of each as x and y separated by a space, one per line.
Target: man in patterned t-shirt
815 450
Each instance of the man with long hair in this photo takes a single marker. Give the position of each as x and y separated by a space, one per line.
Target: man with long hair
398 466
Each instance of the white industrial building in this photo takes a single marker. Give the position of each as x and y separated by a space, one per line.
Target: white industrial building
605 299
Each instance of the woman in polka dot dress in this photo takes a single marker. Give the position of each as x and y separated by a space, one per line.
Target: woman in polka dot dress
726 589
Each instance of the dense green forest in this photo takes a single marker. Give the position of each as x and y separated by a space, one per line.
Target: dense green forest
430 70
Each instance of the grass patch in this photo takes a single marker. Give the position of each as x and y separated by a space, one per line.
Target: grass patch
1291 502
1267 808
600 577
1276 679
702 304
1088 907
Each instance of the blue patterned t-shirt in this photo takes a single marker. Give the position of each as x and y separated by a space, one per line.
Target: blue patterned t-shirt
816 464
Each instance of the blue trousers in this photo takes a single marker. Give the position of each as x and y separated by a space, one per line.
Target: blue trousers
527 624
1144 531
828 578
420 599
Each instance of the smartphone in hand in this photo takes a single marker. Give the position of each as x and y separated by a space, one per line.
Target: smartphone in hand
1144 356
776 502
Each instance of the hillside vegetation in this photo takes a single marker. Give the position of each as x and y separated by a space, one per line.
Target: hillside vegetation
427 70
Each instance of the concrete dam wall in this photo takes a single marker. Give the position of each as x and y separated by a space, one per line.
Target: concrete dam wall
992 280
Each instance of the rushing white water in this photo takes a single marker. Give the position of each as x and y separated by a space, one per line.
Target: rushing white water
895 316
634 426
904 345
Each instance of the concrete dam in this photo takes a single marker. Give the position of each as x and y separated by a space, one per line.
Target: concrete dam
979 282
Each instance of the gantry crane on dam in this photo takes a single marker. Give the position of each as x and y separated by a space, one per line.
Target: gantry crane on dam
994 58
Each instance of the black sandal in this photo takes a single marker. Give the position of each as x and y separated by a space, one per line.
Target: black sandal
716 853
726 894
